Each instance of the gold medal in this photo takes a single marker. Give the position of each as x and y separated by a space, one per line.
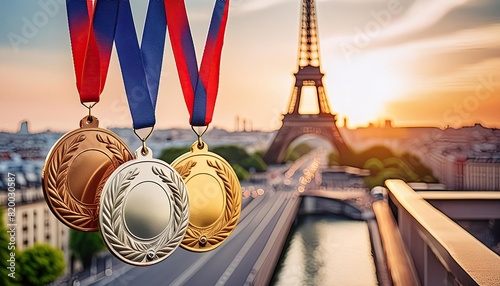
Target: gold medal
144 210
213 188
214 197
76 169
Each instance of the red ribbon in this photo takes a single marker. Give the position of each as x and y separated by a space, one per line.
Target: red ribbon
199 87
91 60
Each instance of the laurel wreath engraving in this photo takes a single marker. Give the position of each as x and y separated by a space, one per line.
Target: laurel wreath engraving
70 209
113 225
62 201
120 154
185 170
112 220
181 212
224 227
119 151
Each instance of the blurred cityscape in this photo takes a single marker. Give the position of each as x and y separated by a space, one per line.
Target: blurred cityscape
464 159
322 204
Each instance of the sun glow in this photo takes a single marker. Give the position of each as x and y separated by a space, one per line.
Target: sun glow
359 89
309 101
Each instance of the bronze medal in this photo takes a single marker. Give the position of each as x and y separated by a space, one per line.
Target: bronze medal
76 169
144 210
214 196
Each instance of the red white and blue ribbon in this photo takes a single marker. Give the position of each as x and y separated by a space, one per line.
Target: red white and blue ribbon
91 33
199 88
141 66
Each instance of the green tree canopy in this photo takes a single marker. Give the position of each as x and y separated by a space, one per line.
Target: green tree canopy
40 264
232 153
296 152
241 173
85 245
170 154
236 156
384 164
254 162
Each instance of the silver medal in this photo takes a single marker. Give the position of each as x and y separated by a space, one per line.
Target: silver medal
144 210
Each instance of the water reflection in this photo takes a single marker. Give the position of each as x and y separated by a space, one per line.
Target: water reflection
327 250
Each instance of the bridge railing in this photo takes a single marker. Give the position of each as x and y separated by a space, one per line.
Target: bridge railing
397 257
443 253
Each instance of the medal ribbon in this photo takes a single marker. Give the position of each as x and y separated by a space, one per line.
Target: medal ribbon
91 32
199 88
141 66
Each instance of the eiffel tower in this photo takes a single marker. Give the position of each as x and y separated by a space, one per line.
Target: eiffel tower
296 124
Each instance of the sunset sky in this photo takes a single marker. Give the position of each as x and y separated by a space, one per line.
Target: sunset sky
418 63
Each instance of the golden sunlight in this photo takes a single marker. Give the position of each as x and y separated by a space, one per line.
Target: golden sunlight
360 89
309 100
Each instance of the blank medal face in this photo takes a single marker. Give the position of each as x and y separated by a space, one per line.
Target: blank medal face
144 211
75 172
214 198
147 202
86 171
206 199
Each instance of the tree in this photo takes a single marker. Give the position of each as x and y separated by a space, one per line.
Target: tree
40 264
232 153
240 172
4 253
296 152
384 164
236 156
84 245
254 162
170 154
333 159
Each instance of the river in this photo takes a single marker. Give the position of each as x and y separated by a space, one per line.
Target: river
327 250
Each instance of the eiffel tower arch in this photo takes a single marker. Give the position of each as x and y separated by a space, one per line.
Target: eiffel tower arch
296 124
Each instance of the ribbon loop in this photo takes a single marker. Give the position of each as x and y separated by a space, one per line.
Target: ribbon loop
91 27
199 87
141 66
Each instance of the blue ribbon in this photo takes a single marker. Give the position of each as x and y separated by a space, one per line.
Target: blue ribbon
199 87
141 66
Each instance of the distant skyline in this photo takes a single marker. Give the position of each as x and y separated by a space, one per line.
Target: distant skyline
417 63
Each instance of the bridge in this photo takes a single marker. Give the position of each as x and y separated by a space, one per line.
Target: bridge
427 247
415 245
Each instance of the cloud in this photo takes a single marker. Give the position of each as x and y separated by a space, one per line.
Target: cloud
439 53
421 15
446 62
465 39
396 21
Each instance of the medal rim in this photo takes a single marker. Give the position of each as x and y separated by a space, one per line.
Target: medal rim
192 238
159 240
46 174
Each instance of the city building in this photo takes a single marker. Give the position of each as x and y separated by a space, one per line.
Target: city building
34 222
465 159
343 178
